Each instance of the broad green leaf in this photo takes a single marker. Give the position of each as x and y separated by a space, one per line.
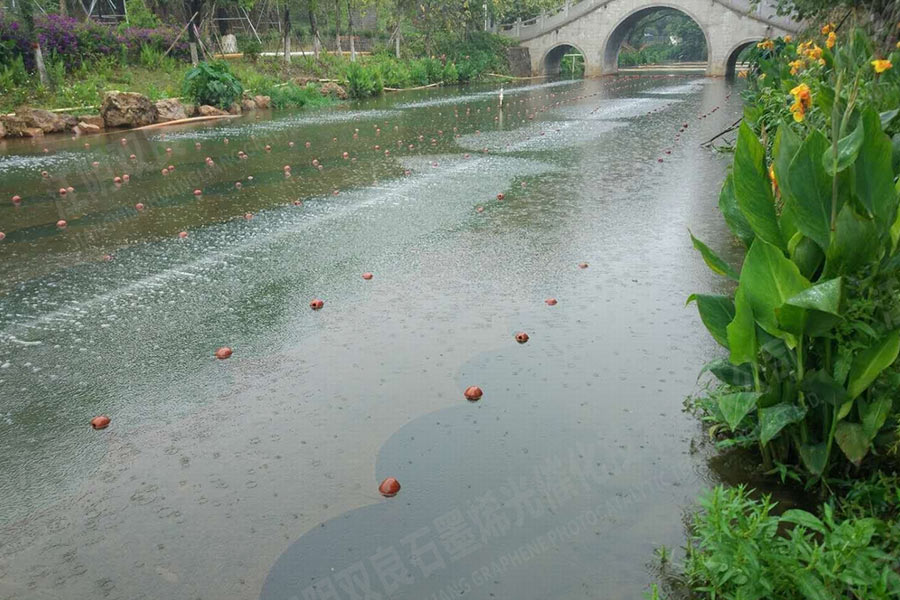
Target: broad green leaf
806 254
824 296
887 116
775 418
874 413
769 279
712 260
753 189
895 230
783 151
752 113
871 362
804 519
847 151
810 198
741 332
874 174
852 440
855 243
732 213
735 406
814 457
716 312
820 388
736 375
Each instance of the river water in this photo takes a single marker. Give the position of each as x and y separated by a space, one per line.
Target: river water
257 476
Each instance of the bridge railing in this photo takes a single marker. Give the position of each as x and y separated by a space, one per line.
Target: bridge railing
568 11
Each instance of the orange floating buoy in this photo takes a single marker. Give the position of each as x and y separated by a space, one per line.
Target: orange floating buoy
480 209
367 276
45 174
117 180
223 353
582 265
61 224
521 337
500 196
550 301
182 234
107 257
248 216
62 191
197 192
139 206
2 236
133 157
126 177
316 304
100 422
389 487
17 199
473 393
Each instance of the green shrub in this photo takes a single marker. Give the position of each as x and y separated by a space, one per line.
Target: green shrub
251 47
363 81
418 73
739 550
450 75
213 84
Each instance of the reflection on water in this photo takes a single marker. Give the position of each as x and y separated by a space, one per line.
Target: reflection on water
258 475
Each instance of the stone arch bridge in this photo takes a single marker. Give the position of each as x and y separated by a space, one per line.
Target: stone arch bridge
597 29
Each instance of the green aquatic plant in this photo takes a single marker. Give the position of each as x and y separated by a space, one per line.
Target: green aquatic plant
813 328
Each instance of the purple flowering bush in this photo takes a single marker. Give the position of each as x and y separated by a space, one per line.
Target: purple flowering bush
75 42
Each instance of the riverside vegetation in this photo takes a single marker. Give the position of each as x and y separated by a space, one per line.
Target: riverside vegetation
810 383
85 58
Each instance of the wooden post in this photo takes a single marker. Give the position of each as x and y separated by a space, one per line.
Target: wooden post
287 34
39 63
194 59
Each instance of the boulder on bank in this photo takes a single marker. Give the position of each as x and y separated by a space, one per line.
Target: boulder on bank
95 120
127 109
262 102
45 120
2 130
169 109
85 128
209 111
235 108
332 89
14 126
248 104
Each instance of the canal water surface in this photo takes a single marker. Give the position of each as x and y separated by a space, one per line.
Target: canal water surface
257 476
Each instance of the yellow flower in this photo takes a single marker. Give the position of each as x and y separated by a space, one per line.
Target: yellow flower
797 66
766 45
827 28
788 39
881 65
802 101
763 76
898 44
831 39
815 52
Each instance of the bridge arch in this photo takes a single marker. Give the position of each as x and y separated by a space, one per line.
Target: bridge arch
613 42
552 58
731 61
597 28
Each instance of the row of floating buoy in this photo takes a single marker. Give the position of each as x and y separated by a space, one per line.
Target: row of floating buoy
390 486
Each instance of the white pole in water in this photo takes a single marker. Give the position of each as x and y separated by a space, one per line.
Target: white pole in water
501 96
